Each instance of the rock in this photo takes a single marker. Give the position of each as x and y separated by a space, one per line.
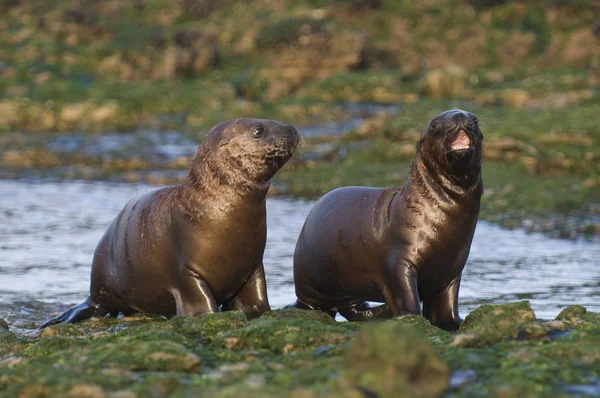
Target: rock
207 327
578 313
447 82
462 377
515 48
156 355
11 362
519 311
294 313
422 325
284 336
52 344
3 324
301 49
490 324
87 391
392 360
63 329
572 313
508 149
515 98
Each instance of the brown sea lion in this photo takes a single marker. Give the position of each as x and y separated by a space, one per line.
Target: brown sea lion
188 249
400 245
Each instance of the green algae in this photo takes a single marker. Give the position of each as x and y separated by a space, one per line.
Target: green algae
304 354
291 313
578 315
392 360
207 327
283 336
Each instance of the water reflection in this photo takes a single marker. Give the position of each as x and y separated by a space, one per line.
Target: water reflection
48 233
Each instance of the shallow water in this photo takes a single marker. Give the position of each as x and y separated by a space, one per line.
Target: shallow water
49 230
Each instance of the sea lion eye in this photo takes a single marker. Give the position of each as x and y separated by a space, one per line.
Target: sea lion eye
258 130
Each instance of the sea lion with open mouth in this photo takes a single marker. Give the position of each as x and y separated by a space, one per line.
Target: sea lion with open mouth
188 249
402 245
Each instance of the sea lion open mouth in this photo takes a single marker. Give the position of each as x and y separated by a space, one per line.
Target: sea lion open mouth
460 141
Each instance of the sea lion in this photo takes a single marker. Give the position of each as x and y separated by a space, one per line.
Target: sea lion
187 249
400 245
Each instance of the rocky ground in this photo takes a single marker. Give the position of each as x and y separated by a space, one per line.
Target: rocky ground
500 351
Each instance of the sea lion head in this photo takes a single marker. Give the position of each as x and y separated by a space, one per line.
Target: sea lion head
451 145
250 149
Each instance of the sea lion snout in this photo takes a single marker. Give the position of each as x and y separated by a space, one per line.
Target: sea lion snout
289 138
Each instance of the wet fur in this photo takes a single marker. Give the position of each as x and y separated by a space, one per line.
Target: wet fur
404 246
191 248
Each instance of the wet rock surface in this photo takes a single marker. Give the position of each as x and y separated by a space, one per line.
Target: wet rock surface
295 353
392 360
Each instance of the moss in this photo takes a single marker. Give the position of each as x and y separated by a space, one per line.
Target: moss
153 355
392 360
3 324
281 354
286 32
64 330
520 311
207 327
9 342
291 313
54 344
283 336
156 332
491 324
421 324
578 314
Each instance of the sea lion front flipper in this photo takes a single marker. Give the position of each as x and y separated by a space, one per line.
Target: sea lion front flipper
252 297
400 289
442 309
86 310
194 297
364 312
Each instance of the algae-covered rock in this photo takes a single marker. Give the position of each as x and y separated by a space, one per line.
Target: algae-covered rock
156 355
520 311
149 335
295 313
283 336
578 313
422 325
491 324
9 342
392 360
64 329
206 327
53 344
3 325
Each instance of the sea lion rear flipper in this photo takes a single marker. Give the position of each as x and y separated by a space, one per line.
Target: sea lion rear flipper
364 313
77 313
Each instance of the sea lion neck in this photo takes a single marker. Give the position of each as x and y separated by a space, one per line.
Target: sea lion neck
432 184
208 180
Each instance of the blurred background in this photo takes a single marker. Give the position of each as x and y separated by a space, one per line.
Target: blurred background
100 100
124 90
